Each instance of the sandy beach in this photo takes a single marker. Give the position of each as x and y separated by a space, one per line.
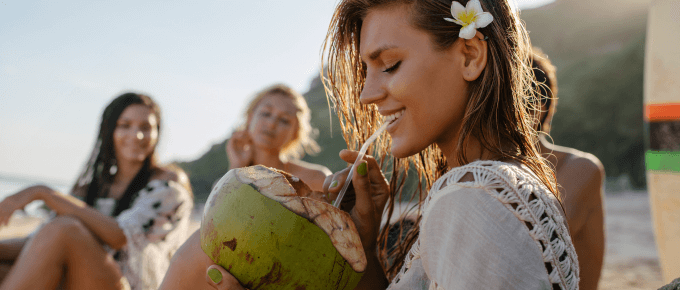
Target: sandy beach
20 225
631 261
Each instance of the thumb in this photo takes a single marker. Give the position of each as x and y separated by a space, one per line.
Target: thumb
220 279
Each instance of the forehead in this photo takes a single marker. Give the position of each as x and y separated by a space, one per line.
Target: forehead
387 27
138 113
278 102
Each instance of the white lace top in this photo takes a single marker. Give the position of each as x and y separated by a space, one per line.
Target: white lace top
503 230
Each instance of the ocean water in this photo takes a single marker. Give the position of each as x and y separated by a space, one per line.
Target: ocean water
11 185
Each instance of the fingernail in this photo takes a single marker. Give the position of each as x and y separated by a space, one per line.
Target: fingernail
362 169
215 275
334 183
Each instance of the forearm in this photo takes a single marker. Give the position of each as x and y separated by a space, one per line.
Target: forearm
374 276
188 266
105 228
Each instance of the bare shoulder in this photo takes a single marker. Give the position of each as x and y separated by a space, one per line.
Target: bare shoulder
580 176
584 162
174 173
315 170
313 175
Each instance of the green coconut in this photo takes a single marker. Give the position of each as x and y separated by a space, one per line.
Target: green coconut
259 224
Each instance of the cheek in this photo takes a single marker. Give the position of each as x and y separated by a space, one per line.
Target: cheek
118 136
253 124
153 138
397 86
290 134
412 85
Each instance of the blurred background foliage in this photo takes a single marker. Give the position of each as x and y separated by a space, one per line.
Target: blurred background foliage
598 49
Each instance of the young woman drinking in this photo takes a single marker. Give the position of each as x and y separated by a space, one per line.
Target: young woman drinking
126 215
277 133
453 80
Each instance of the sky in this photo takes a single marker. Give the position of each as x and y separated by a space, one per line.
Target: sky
62 62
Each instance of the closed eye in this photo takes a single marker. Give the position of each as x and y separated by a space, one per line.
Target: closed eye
392 68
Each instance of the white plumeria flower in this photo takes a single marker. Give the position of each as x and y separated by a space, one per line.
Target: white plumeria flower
470 17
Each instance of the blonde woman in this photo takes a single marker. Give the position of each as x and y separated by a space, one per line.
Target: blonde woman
453 81
277 133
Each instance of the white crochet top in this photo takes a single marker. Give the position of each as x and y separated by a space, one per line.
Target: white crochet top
503 230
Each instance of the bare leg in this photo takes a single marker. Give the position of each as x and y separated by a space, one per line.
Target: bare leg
5 267
9 251
63 248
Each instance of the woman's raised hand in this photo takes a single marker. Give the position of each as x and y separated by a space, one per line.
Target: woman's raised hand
239 150
370 190
19 200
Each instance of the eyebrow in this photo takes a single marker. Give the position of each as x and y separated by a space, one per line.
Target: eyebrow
376 53
269 106
123 119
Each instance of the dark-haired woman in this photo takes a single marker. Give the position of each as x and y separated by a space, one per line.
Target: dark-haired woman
125 217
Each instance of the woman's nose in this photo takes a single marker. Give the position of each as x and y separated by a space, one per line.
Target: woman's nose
372 91
138 134
271 123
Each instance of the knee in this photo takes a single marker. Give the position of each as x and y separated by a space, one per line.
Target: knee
65 228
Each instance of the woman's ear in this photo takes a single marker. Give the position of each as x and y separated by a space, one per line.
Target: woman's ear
475 53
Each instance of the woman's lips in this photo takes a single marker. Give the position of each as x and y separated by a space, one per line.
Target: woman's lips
394 121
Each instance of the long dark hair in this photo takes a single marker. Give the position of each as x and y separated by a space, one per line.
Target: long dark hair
497 113
546 88
97 177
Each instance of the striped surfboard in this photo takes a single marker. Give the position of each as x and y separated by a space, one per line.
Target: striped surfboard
662 122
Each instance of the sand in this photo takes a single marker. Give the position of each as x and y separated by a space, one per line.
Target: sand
631 261
19 225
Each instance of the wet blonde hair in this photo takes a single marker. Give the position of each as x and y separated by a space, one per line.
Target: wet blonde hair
303 141
498 112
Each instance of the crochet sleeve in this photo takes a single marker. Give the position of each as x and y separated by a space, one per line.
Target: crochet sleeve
155 227
470 240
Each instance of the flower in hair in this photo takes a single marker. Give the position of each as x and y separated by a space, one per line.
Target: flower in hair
470 17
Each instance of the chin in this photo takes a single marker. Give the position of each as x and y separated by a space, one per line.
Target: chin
403 151
134 157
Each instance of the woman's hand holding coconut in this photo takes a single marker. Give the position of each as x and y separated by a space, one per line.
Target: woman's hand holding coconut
367 198
272 263
371 192
364 203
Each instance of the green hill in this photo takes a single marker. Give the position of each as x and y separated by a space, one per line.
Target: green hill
598 48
